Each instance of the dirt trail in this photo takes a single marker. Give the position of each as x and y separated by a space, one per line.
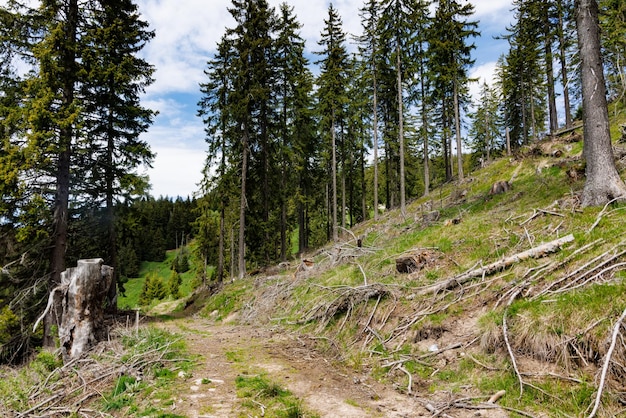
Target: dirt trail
327 389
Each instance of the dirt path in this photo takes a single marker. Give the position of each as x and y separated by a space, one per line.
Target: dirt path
226 351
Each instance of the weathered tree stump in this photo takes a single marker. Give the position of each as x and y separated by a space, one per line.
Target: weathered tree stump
500 187
411 263
84 289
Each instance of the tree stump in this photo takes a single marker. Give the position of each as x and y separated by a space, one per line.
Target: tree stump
84 290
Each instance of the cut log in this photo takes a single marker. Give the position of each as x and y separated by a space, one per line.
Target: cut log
84 289
537 252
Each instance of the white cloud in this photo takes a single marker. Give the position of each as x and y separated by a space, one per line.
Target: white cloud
176 171
485 73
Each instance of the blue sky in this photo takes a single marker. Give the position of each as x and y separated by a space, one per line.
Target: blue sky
187 32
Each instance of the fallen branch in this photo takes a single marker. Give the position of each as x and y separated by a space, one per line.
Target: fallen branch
537 252
510 350
496 396
607 361
410 384
601 214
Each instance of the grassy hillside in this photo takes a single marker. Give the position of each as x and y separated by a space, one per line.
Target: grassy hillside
540 328
162 271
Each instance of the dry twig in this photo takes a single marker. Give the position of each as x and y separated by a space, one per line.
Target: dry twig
607 361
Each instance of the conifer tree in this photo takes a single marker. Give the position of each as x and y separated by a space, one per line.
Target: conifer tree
213 108
485 128
293 90
59 116
450 60
613 25
114 116
603 182
369 46
398 34
332 85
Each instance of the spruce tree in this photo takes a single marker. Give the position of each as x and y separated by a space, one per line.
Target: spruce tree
213 109
114 116
332 98
293 90
450 60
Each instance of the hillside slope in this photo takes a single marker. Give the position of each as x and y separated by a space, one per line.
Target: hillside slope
461 324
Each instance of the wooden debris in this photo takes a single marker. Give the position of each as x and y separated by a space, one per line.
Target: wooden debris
607 362
537 252
411 263
496 396
500 187
431 217
345 302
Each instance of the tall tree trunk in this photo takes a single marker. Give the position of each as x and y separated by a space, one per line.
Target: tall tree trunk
487 135
363 183
110 216
457 126
220 245
553 117
533 116
445 143
603 182
564 74
508 141
333 170
66 134
375 139
424 129
242 205
401 131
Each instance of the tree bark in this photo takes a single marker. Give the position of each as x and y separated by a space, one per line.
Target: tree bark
564 74
243 203
401 131
85 288
603 183
553 117
457 128
375 136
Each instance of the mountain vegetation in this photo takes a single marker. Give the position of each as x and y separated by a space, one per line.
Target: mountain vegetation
297 152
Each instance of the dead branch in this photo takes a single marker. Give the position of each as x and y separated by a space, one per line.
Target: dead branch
601 214
580 273
348 298
496 396
607 361
510 350
434 353
461 405
537 252
410 384
539 212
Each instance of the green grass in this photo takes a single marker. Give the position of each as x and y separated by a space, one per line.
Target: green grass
163 271
263 396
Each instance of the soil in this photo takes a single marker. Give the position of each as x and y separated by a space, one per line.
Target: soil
327 387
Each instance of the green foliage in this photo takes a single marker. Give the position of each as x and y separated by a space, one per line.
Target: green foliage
9 325
128 261
173 285
180 264
153 288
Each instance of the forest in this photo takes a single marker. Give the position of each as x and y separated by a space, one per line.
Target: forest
295 157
